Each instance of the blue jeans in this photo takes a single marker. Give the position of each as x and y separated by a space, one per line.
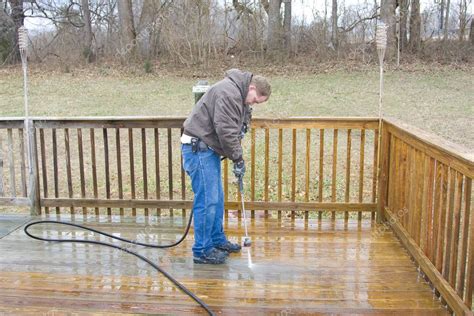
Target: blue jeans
204 168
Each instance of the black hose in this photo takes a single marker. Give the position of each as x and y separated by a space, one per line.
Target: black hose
179 285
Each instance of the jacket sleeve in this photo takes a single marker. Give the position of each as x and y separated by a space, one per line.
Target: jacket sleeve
227 122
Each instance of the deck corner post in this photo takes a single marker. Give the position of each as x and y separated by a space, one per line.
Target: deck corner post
383 165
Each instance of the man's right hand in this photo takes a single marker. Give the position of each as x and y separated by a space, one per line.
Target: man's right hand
239 169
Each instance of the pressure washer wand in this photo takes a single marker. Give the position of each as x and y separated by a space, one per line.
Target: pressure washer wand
247 240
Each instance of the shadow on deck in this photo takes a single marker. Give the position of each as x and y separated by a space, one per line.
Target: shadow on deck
296 268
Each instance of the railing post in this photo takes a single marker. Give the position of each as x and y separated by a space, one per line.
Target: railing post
383 165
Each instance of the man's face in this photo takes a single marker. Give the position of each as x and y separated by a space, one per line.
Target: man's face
253 97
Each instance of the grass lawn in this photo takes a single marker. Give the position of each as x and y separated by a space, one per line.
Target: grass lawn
438 100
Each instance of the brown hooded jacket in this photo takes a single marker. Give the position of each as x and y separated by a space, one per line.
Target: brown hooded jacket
218 117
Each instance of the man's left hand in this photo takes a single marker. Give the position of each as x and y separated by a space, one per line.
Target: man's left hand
239 169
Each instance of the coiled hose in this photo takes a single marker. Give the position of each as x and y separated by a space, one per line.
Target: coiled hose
166 274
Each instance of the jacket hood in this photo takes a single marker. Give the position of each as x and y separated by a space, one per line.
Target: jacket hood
241 79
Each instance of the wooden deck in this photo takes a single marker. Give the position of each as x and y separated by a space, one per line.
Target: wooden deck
321 267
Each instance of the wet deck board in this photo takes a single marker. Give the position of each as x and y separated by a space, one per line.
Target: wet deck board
10 223
330 267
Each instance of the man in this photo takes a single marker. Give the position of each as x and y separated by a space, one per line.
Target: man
215 128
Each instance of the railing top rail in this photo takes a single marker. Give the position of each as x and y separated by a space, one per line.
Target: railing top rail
131 118
176 121
316 122
8 122
439 148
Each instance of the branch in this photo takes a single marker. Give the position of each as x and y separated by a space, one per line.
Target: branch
241 8
375 15
53 13
68 16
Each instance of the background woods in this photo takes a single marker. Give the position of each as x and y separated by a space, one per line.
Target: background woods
203 31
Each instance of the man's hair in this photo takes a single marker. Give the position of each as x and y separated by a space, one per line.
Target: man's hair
262 85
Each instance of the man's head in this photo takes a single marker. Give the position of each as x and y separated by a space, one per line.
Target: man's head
259 90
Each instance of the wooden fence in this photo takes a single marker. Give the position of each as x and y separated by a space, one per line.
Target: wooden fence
297 167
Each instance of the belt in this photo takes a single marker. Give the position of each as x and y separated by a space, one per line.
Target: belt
196 143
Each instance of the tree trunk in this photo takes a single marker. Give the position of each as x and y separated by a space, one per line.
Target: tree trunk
88 52
387 15
441 15
146 15
127 30
446 20
334 40
287 26
18 18
111 20
403 24
274 26
471 32
325 22
415 26
462 19
148 25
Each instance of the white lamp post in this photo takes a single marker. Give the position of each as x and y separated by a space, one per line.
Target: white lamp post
23 45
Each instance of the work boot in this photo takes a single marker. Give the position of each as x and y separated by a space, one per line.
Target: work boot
229 247
212 256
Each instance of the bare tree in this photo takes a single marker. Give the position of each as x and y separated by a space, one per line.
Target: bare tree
403 6
463 20
446 20
325 21
88 52
387 15
111 21
199 32
441 15
274 25
278 30
18 18
242 8
7 33
147 14
415 26
127 28
471 32
150 24
334 40
287 26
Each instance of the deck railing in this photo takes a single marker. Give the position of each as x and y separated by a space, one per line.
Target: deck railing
428 204
297 167
13 163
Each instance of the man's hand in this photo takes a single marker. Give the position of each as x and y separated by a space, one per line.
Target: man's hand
239 169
